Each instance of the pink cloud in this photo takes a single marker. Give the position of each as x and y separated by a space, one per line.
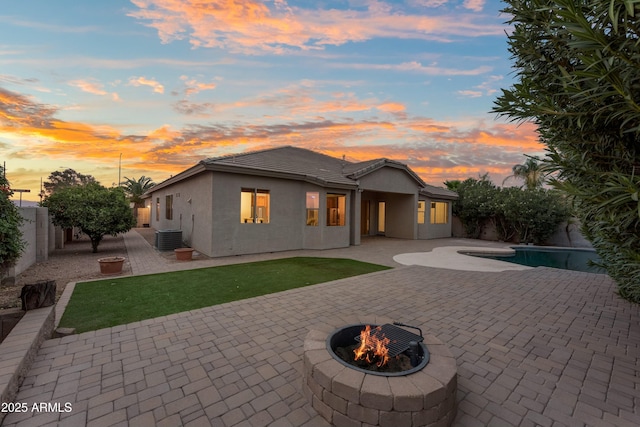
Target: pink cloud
193 86
143 81
250 26
94 88
417 67
475 5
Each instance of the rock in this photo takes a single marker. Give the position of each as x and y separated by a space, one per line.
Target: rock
40 294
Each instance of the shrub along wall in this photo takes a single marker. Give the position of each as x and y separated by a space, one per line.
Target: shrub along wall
513 214
567 234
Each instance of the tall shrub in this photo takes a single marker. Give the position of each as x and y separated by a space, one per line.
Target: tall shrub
519 215
476 204
529 215
11 243
578 79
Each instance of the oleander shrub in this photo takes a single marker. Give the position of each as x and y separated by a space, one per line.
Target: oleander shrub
577 68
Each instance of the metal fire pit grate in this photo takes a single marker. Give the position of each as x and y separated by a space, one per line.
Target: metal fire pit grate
399 338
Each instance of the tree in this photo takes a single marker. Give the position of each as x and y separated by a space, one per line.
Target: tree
452 184
475 203
96 210
136 188
11 243
66 178
578 79
532 172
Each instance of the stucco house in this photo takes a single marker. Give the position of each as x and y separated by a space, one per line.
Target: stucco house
291 198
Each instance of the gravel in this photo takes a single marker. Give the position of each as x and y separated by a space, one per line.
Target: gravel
74 263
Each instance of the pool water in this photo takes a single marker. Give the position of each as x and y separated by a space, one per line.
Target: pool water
564 258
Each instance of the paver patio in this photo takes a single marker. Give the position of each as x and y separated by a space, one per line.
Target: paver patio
537 347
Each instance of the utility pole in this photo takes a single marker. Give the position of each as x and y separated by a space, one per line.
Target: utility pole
119 169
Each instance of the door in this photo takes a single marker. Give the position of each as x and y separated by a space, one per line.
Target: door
381 217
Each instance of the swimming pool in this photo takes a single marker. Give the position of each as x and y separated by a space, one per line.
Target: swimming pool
576 259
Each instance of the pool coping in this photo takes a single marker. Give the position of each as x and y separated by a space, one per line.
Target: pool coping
459 258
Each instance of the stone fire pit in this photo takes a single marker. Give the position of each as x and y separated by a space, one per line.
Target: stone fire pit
349 397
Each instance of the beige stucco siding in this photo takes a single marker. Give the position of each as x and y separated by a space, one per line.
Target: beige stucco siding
434 231
401 215
232 237
389 180
192 200
399 191
286 229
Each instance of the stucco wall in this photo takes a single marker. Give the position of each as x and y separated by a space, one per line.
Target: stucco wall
389 180
36 230
35 233
322 236
435 231
286 230
192 201
401 215
233 237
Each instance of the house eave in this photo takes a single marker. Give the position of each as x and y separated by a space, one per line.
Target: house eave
194 170
245 170
436 196
387 163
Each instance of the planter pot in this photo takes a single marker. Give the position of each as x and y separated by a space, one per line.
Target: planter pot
111 265
184 254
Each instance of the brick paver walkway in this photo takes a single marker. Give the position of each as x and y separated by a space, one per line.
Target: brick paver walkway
541 347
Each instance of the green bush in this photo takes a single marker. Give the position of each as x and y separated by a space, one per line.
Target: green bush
11 243
523 216
475 205
529 215
578 79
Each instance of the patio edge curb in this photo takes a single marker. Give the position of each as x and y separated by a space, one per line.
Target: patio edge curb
19 349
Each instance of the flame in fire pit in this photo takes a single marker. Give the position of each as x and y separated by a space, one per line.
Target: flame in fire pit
373 346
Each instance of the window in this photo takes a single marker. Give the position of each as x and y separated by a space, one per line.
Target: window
254 206
157 208
439 212
313 208
336 209
168 209
422 209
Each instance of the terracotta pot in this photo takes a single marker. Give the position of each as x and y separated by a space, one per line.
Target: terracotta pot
111 265
184 254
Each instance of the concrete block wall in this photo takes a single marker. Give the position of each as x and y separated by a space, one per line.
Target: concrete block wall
36 232
566 235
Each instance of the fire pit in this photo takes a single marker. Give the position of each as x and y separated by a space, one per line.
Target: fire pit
416 386
385 350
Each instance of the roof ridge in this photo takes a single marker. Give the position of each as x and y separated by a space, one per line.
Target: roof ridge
245 153
263 150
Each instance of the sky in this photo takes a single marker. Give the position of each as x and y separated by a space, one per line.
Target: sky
134 88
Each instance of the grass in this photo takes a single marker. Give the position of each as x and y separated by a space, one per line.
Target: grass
106 303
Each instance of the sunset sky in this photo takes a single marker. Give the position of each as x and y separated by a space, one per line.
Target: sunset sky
162 84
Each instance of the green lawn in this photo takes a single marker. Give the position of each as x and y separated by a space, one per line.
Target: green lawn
111 302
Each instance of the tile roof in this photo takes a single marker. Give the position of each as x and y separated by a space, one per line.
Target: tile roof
438 192
302 164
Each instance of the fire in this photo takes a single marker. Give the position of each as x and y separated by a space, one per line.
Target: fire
373 346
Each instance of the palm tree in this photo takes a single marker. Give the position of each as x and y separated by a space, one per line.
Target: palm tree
136 188
453 184
532 172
